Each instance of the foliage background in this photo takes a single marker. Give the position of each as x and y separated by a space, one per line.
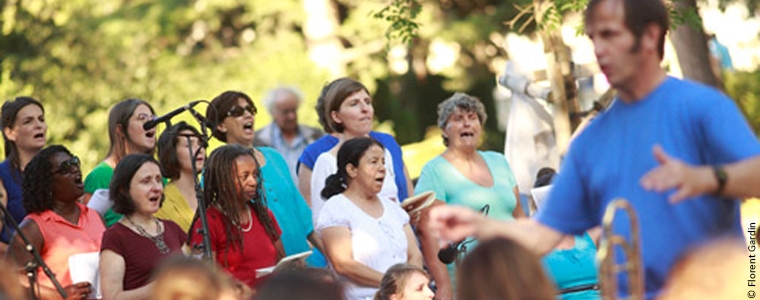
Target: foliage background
79 57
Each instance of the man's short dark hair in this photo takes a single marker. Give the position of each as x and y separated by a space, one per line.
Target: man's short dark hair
639 14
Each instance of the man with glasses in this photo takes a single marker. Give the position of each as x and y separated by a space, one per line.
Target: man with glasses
284 134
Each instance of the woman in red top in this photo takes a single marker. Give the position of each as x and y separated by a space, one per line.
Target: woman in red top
244 234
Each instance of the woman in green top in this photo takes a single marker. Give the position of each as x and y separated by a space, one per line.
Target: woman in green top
127 136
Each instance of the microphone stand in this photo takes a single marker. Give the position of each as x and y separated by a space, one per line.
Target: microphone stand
204 231
36 262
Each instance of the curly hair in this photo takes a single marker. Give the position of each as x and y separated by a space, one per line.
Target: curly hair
167 148
122 178
9 112
221 191
459 101
38 180
216 112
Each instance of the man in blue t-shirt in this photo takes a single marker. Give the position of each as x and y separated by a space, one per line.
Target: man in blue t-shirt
680 152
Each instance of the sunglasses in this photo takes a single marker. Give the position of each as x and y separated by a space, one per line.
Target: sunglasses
68 166
237 111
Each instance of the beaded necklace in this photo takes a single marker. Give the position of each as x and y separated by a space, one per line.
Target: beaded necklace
158 239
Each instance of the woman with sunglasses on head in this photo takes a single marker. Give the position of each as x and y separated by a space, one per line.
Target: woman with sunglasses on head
234 115
57 225
139 242
364 234
177 164
243 232
127 136
24 134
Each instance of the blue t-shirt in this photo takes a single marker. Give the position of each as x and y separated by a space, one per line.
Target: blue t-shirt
288 206
327 142
12 180
574 267
693 123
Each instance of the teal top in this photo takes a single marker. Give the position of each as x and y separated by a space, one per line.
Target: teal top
288 206
574 267
450 186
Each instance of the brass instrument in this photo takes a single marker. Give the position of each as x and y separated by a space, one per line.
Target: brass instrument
608 268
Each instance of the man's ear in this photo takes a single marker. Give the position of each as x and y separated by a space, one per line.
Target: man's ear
650 38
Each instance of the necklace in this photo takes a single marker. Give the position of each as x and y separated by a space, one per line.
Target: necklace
250 220
158 239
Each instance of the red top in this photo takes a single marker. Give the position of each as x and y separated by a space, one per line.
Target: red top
258 250
140 254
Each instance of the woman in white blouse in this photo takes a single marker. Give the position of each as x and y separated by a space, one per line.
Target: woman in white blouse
363 234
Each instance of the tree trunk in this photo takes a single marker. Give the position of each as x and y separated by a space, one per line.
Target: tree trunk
691 48
559 71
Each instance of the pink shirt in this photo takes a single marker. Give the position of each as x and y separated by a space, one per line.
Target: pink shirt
63 239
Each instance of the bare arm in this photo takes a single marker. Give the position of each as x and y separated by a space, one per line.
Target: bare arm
518 213
455 223
690 181
409 185
112 268
304 183
340 252
413 254
430 247
20 256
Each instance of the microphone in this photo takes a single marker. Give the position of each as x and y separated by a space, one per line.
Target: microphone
152 123
449 254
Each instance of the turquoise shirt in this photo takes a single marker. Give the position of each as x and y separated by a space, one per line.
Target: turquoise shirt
288 206
450 186
574 267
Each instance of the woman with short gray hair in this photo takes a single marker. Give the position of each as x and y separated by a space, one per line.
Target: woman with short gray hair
462 175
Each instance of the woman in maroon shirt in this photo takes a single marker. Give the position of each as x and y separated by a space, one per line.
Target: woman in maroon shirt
134 246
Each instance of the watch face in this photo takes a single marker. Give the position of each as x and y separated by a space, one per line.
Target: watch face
721 176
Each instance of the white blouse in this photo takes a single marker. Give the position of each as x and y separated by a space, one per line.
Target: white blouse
327 164
377 243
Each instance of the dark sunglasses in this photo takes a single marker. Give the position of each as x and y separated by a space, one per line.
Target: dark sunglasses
237 111
68 166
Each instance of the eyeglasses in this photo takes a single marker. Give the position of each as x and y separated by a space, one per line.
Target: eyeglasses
68 166
237 111
143 117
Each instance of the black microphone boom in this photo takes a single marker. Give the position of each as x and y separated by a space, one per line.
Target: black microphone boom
165 118
449 254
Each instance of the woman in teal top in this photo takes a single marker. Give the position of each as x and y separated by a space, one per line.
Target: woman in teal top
572 264
462 175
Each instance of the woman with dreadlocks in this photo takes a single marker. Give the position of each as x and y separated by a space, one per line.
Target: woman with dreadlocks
57 225
243 232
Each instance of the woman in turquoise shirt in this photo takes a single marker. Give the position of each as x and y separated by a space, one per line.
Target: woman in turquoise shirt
462 175
572 264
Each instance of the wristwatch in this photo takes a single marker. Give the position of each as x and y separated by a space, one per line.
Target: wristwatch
721 176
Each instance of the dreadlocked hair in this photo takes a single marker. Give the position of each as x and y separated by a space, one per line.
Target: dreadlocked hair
221 191
38 180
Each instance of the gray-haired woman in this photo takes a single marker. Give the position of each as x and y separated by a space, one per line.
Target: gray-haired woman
462 175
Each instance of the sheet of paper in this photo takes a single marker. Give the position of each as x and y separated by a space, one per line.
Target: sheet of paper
100 201
85 267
